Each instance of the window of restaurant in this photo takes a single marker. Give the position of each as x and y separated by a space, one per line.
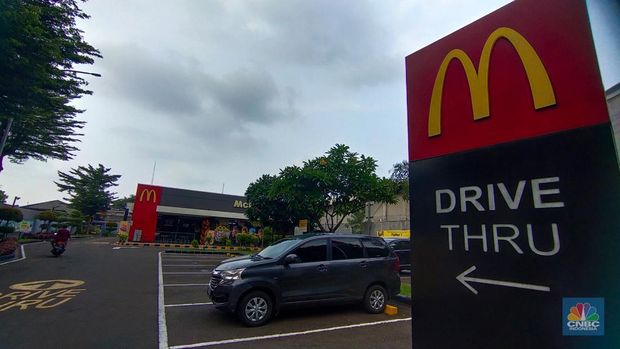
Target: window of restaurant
178 229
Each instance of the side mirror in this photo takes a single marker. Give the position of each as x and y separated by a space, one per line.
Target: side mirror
291 258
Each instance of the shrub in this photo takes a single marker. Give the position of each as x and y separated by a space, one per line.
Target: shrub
253 240
270 236
11 214
247 239
195 243
225 241
122 237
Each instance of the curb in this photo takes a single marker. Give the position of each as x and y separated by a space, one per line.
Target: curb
198 249
223 253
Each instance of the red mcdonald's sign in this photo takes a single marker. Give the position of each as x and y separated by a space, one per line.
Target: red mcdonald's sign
144 218
503 79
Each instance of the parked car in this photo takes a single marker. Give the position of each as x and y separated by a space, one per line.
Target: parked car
402 248
308 269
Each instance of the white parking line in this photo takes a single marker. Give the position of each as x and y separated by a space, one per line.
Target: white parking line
187 304
206 272
196 256
189 265
18 259
281 335
184 285
163 329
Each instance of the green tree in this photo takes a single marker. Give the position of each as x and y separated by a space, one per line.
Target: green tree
40 44
3 196
330 187
48 217
10 214
356 221
267 206
121 203
342 182
400 176
88 189
73 218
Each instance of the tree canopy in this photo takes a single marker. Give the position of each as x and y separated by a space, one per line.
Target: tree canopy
11 214
121 203
3 196
400 176
324 190
88 188
49 216
40 44
269 207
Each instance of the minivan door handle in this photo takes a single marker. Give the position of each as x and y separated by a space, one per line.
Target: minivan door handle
322 268
363 264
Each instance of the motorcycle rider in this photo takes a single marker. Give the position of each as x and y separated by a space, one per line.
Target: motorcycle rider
62 236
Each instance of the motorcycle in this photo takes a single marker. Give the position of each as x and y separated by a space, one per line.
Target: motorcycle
57 248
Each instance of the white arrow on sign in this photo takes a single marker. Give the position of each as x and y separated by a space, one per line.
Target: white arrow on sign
464 279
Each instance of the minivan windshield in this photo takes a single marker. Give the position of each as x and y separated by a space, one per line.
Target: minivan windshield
277 248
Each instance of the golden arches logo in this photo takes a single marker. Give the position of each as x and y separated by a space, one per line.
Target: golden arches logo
149 193
540 85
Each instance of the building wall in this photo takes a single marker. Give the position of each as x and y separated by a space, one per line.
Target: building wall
388 217
380 216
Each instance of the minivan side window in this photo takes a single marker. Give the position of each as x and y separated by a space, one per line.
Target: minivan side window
347 248
376 248
312 251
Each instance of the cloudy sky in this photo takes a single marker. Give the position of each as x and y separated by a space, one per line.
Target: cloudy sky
220 92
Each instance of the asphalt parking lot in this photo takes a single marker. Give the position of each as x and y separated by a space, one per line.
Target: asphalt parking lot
133 297
188 320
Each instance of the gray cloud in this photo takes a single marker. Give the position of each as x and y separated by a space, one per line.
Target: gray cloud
248 96
341 38
177 88
343 43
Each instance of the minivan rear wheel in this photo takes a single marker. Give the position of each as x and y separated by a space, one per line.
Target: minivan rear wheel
375 299
255 309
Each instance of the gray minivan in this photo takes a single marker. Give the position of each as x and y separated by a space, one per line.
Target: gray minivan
307 269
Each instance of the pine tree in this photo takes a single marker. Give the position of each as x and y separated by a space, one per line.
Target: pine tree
40 43
87 188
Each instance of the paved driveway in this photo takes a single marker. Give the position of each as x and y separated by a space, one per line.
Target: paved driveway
98 295
192 321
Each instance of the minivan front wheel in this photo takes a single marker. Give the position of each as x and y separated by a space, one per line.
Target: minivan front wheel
255 309
375 299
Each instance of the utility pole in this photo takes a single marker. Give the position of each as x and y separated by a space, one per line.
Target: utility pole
153 175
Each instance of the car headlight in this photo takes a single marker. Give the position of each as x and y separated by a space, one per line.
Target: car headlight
234 274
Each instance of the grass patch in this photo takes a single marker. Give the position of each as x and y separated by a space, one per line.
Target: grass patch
405 289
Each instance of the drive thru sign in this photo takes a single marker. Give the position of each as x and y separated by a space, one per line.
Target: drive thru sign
515 185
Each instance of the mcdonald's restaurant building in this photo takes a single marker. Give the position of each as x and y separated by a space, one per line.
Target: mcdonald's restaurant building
162 214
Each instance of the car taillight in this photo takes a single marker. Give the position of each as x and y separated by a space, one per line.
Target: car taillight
396 265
